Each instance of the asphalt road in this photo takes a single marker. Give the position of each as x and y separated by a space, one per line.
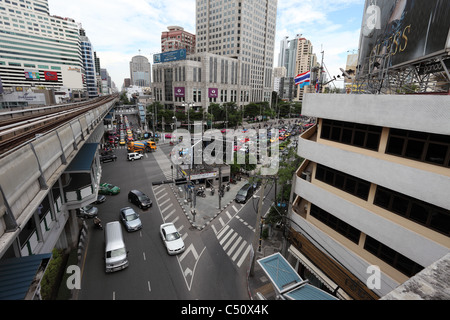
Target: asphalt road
205 271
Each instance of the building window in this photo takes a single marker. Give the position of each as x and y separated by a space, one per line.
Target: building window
428 215
420 146
359 135
392 257
355 186
336 224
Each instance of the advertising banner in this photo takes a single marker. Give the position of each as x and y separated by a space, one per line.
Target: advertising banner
32 74
213 93
405 30
170 56
50 76
1 86
179 92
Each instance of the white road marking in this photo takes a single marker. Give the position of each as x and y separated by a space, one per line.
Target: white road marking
244 256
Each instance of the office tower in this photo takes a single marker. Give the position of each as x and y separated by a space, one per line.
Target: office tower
42 50
89 65
140 71
244 30
176 38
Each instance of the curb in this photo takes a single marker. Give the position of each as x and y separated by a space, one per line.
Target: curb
189 215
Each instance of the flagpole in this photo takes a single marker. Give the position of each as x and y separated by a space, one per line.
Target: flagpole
320 80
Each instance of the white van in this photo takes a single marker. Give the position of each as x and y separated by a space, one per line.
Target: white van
116 255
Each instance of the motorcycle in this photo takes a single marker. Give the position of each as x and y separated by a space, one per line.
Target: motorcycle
228 186
201 192
98 224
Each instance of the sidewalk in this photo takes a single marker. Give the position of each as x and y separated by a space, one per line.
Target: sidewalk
206 209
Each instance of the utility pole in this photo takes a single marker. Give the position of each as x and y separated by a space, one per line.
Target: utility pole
257 238
220 188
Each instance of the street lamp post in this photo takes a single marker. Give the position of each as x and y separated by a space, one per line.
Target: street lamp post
189 105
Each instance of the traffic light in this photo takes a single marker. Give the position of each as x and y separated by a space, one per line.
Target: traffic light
181 181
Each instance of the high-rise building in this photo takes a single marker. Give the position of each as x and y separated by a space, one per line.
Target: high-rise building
372 190
305 60
40 50
89 65
177 38
297 57
244 30
278 74
140 71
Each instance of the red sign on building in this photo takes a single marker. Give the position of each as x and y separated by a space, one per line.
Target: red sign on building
51 76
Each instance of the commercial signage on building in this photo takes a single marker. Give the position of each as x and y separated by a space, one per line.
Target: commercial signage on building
213 93
179 92
1 86
405 31
170 56
51 76
32 74
204 175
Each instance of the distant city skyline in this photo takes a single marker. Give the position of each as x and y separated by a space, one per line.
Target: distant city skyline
117 34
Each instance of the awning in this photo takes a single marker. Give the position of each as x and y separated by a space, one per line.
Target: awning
287 281
83 160
309 292
280 272
322 277
20 276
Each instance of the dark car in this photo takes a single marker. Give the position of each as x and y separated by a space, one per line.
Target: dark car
140 199
108 158
245 193
130 219
100 199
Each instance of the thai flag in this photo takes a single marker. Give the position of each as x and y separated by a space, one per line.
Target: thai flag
303 79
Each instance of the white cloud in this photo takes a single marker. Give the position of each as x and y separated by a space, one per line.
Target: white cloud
118 29
332 26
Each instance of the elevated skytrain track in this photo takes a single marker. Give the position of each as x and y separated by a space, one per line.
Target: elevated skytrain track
21 126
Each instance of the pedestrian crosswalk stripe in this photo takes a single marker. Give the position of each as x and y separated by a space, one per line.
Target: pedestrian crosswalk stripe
244 256
159 198
234 245
167 207
239 250
226 236
230 241
163 203
229 215
222 232
169 215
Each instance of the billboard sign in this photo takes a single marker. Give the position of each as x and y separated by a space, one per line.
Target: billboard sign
179 92
406 30
1 86
213 93
50 76
170 56
32 75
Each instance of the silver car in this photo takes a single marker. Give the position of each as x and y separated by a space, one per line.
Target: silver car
88 212
130 219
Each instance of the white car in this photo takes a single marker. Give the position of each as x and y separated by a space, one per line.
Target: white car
135 156
171 238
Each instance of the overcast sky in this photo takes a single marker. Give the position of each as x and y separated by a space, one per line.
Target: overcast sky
118 29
